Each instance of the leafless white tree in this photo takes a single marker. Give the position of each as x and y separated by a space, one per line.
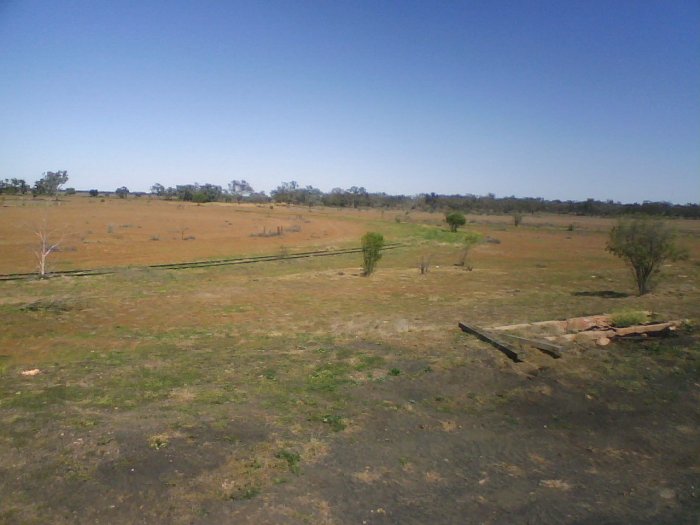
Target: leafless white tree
49 241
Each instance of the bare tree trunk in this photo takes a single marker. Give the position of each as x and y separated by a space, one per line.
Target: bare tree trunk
425 264
46 246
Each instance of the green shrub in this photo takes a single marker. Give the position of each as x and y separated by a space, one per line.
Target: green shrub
372 244
455 219
625 318
645 244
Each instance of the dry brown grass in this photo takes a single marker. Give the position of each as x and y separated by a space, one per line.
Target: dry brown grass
117 232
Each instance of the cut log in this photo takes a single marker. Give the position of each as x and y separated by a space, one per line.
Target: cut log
650 329
507 349
592 335
555 325
574 324
579 324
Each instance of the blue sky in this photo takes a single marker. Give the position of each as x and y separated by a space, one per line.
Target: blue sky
561 99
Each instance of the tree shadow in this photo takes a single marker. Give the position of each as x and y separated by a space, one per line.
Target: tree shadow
606 294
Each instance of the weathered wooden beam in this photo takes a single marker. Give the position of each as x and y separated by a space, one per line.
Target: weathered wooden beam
507 349
547 348
648 329
556 325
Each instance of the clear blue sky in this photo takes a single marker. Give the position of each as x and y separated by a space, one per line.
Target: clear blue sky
558 99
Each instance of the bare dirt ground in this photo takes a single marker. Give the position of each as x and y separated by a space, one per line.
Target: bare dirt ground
301 392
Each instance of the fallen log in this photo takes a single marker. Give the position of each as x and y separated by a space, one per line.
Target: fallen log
573 324
589 335
556 325
507 349
580 324
649 329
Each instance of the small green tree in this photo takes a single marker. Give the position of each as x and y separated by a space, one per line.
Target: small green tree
122 192
455 219
644 244
372 244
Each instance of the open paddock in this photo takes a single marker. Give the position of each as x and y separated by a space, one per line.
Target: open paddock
298 391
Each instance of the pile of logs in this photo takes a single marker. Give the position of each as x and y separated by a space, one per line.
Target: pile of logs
551 337
595 328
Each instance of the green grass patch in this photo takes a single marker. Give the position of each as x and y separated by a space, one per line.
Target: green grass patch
46 397
334 421
4 364
134 387
368 362
328 377
212 397
625 318
292 459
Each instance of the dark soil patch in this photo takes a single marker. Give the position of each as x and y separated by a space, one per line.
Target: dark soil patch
600 436
474 445
606 294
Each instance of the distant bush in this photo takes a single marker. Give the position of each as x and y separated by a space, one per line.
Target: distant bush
372 244
455 219
94 193
70 191
517 219
200 198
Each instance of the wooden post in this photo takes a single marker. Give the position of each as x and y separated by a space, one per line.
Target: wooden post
508 350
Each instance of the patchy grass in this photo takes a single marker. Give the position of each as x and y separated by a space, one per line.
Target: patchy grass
334 421
292 459
198 395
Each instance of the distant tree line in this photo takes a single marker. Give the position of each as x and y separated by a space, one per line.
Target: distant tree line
358 197
14 186
514 205
237 191
355 197
48 184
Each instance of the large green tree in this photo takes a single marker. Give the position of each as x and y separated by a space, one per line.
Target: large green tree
50 182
